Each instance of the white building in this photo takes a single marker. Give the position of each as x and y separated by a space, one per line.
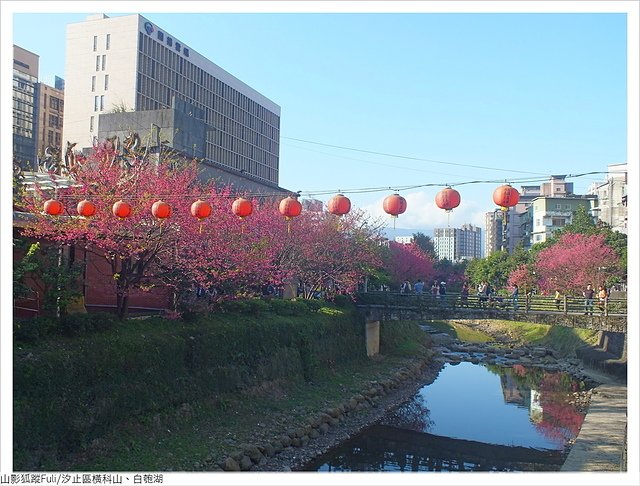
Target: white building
128 63
612 198
405 240
456 244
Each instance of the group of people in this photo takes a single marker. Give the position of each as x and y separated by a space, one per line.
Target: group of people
437 289
487 296
589 295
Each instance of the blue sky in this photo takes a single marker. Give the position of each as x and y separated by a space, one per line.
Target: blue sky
461 96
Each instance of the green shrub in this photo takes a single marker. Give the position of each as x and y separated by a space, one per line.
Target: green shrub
253 307
33 329
288 307
314 305
343 300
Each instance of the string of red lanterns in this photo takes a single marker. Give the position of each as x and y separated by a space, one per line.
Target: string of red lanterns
504 196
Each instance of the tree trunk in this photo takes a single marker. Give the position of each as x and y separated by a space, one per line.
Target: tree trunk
122 300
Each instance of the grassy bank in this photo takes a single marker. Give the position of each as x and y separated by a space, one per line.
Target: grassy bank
562 339
165 395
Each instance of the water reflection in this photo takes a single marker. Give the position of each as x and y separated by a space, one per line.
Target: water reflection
472 417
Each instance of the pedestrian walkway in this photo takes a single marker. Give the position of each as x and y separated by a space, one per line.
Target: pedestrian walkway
601 442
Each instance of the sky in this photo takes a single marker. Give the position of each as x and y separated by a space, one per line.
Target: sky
448 98
402 96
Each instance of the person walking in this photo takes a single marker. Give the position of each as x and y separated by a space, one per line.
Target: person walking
434 289
464 294
419 287
602 298
557 298
514 297
406 287
588 300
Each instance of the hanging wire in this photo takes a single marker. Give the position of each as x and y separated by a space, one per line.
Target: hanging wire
362 190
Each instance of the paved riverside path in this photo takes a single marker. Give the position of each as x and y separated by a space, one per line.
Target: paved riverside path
601 442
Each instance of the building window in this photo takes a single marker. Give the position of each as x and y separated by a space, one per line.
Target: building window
160 36
559 222
104 61
186 52
54 103
169 41
50 137
57 139
178 46
101 102
96 100
106 82
95 43
97 63
108 41
93 83
91 124
558 206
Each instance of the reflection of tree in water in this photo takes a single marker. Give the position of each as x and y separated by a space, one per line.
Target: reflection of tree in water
561 415
413 415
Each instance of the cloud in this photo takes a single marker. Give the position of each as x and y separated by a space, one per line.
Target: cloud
422 213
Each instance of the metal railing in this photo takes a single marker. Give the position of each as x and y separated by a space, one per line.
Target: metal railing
539 304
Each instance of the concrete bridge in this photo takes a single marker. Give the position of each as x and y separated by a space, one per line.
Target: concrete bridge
569 312
610 354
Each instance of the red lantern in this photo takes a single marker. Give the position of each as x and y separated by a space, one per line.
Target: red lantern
242 207
394 205
53 207
506 196
86 208
448 199
200 209
121 209
161 209
339 205
290 207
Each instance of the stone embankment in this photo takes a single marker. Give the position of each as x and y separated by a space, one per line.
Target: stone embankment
292 449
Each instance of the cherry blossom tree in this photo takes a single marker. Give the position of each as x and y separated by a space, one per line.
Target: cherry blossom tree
523 277
232 255
408 262
575 261
133 245
326 253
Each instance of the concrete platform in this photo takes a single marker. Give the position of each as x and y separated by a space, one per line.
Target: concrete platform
600 445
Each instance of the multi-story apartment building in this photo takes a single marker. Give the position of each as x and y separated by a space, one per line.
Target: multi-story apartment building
549 214
129 64
612 198
50 118
456 244
493 231
518 227
25 109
